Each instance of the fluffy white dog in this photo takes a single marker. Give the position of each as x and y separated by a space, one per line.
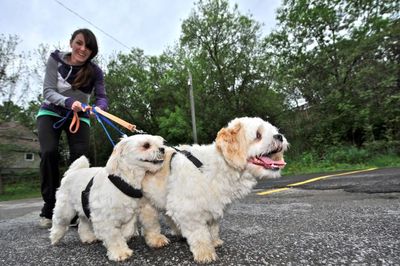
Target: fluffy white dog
195 198
113 197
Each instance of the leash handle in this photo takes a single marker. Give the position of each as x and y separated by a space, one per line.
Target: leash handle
61 122
118 120
75 123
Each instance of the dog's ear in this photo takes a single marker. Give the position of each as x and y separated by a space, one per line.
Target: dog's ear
114 160
161 139
231 142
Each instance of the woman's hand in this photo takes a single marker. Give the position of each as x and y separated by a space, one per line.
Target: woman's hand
76 106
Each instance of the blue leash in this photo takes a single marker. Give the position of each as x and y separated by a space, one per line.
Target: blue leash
61 122
100 118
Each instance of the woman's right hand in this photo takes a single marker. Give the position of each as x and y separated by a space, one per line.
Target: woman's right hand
76 106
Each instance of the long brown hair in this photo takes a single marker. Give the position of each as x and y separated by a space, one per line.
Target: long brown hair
85 74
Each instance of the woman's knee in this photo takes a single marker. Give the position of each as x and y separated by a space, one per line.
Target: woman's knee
49 153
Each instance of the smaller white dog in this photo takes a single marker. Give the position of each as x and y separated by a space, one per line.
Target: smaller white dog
112 195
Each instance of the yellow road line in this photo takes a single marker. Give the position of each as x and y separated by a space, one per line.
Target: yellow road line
272 191
326 176
311 180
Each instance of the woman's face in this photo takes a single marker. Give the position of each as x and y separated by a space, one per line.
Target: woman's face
79 53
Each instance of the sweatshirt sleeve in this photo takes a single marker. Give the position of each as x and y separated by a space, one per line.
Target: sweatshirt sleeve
100 91
50 92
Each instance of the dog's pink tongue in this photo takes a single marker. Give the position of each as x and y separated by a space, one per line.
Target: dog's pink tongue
269 163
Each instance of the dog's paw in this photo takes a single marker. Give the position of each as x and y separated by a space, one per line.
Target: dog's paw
157 240
87 237
218 243
204 254
88 240
56 236
120 254
54 242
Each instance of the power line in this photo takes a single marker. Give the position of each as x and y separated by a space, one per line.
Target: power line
75 13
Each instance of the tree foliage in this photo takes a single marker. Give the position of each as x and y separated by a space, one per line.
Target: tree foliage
342 57
224 52
148 90
11 67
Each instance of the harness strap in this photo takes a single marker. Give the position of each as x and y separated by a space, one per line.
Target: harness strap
118 182
125 187
170 161
191 157
85 198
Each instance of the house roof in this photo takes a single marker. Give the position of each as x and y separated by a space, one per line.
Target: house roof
16 137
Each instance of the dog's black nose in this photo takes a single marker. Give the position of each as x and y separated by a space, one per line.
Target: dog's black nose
162 150
278 137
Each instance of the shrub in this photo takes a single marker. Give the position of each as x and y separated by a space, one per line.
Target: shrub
383 147
351 155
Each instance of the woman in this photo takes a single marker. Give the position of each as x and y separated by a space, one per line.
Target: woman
69 81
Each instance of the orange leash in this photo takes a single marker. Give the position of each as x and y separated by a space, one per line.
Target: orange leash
118 120
74 123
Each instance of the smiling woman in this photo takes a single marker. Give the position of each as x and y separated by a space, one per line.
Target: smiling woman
80 49
84 47
70 79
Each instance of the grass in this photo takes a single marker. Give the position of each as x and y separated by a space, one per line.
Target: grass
307 165
29 187
23 188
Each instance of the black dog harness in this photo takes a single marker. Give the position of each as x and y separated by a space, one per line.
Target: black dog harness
118 182
85 198
125 187
190 156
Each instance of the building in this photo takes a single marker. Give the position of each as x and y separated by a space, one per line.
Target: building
19 150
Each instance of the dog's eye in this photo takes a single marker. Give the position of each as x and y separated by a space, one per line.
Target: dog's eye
258 136
146 145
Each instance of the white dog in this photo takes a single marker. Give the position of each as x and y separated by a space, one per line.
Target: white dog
195 198
113 197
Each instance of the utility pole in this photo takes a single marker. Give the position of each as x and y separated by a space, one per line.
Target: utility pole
192 107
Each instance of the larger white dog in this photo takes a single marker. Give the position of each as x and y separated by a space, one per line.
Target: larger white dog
113 202
194 198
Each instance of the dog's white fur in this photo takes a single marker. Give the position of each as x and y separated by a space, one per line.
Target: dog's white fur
194 199
113 214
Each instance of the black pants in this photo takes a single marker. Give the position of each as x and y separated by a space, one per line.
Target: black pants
49 139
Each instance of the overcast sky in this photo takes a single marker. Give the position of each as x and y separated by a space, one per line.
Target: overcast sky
119 25
151 25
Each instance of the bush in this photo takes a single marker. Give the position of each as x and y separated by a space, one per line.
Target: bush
383 147
350 155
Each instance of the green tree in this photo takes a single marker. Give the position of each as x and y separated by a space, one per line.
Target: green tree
222 49
10 69
342 57
146 91
228 64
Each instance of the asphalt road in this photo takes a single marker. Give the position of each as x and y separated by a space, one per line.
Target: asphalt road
345 219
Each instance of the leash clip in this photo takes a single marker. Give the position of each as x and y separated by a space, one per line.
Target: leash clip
139 131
